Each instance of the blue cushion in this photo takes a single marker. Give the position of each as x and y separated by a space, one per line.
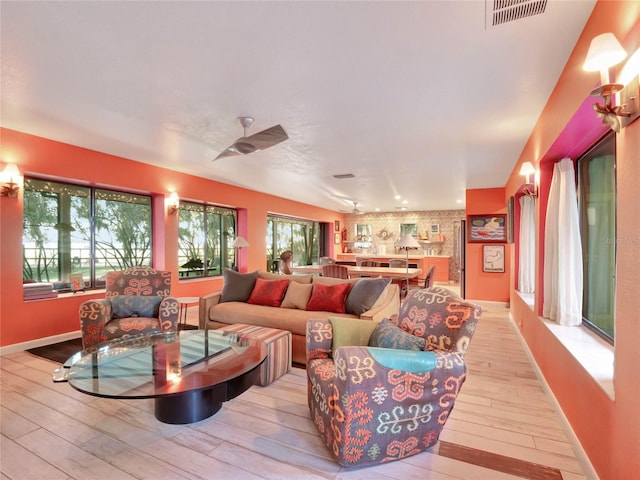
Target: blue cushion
125 306
388 335
407 361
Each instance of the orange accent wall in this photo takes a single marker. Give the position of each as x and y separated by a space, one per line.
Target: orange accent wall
608 430
484 285
26 321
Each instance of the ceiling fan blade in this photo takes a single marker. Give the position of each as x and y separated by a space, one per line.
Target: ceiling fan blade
267 138
229 152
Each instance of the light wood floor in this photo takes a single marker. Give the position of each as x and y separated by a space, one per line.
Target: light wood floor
503 427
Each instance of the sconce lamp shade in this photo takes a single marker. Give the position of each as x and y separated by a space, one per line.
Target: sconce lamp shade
527 169
604 52
407 241
10 180
173 203
240 242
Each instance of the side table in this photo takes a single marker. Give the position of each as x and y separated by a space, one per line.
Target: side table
183 303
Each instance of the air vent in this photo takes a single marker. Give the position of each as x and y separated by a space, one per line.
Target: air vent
505 11
344 175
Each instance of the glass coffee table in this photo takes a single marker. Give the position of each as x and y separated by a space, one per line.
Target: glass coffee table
188 373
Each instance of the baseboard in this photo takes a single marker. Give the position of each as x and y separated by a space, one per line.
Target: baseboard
581 455
40 342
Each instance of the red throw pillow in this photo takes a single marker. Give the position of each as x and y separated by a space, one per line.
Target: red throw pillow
328 298
268 292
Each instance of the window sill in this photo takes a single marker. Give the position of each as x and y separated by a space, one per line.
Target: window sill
594 354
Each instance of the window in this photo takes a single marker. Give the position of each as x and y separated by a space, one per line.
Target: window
299 236
75 229
597 201
205 235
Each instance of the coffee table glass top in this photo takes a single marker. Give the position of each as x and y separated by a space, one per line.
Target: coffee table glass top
149 366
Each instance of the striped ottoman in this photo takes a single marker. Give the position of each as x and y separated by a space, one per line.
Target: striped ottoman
278 361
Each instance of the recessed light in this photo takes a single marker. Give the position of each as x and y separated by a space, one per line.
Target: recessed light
458 201
377 209
397 197
404 202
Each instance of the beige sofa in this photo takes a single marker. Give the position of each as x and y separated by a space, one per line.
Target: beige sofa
215 314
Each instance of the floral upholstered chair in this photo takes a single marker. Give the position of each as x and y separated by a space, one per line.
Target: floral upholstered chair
137 301
387 393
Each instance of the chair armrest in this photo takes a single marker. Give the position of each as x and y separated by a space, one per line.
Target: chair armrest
206 302
94 315
168 314
443 372
319 339
387 308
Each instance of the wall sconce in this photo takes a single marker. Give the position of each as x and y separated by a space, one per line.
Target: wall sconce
173 203
529 188
604 52
10 181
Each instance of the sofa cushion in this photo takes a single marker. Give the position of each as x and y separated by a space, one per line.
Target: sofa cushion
364 294
268 292
291 278
297 295
328 298
125 306
351 331
290 319
388 335
333 281
237 287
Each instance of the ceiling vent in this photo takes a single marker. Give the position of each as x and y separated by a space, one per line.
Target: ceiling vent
344 175
505 11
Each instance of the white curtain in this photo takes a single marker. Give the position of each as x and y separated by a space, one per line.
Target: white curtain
562 249
527 245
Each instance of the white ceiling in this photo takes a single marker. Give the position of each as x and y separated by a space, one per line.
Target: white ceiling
419 99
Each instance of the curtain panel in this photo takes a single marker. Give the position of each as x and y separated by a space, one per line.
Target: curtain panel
563 250
527 245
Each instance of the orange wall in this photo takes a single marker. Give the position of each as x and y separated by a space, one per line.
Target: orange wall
609 430
24 321
483 285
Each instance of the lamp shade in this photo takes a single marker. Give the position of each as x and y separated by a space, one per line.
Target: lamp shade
605 51
10 174
407 241
240 242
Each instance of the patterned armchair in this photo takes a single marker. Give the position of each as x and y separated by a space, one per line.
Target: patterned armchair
137 301
375 405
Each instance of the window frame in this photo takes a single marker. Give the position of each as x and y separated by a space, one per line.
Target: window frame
89 225
224 236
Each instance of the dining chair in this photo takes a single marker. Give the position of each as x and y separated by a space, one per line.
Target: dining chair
335 271
367 262
397 263
326 261
428 280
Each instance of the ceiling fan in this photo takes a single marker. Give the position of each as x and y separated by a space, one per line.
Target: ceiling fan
355 211
256 142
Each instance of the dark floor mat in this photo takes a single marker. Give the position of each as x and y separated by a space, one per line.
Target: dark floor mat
61 351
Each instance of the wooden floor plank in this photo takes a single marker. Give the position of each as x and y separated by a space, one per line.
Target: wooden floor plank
502 411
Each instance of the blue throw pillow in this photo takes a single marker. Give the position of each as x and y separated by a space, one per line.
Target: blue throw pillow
125 306
388 335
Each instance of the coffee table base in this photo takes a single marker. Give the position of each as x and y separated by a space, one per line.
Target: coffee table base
196 405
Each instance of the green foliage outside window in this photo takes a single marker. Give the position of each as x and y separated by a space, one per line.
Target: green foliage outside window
75 229
205 235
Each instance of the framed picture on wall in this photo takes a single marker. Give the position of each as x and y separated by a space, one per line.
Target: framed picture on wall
336 226
487 228
493 258
336 238
435 228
